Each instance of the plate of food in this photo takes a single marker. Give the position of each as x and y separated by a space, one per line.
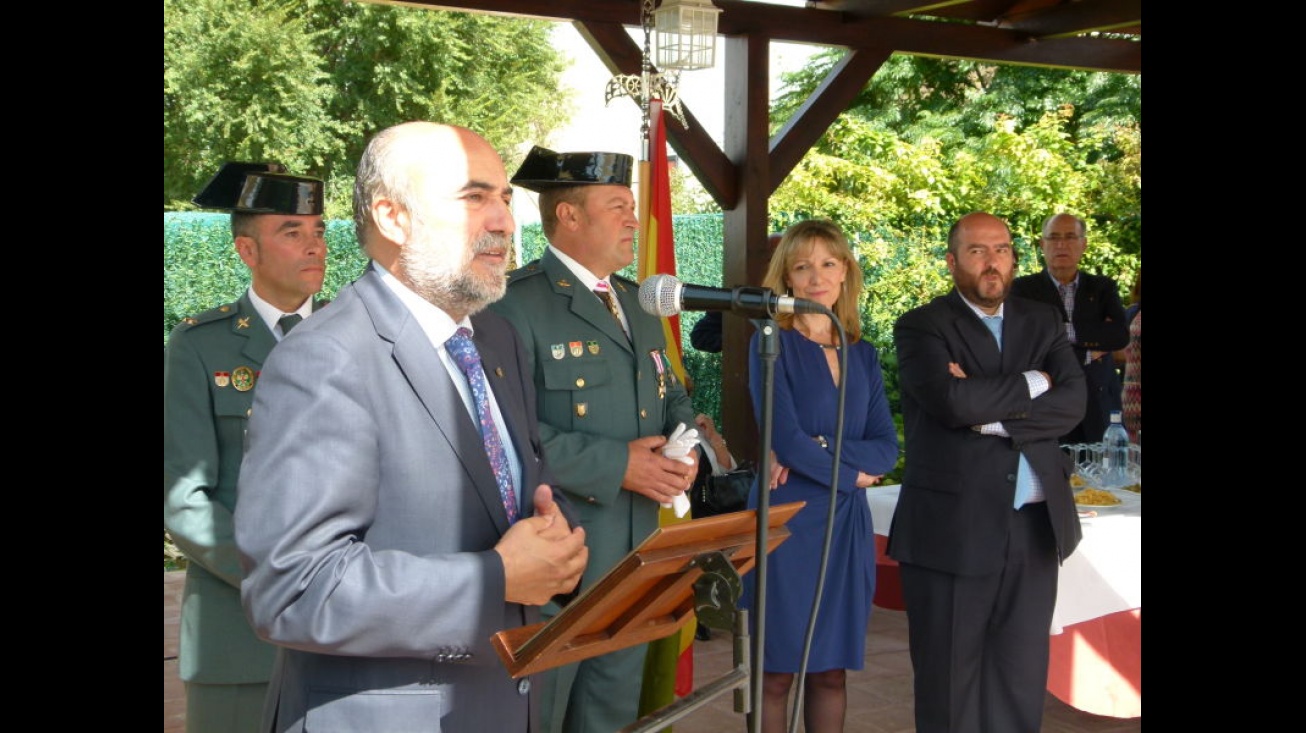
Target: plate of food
1105 498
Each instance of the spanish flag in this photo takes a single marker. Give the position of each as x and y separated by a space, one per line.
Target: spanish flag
669 666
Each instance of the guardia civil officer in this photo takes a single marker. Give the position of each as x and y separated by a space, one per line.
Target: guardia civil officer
607 398
211 366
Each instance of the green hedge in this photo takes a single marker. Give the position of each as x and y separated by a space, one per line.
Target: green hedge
201 270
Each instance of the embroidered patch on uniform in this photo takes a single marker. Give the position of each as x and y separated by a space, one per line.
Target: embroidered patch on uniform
576 348
593 346
242 379
222 379
559 350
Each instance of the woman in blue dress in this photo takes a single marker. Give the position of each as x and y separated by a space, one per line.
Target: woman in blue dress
814 261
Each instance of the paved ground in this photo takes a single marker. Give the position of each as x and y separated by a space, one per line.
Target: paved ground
879 696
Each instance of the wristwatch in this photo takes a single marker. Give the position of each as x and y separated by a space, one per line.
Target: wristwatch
821 441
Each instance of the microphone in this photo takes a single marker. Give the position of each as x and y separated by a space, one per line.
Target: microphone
663 295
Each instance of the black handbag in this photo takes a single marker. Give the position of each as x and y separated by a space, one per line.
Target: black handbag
720 494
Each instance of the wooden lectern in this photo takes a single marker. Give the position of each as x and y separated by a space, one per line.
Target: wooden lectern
645 597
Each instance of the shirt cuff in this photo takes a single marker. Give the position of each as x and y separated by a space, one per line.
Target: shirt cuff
1038 384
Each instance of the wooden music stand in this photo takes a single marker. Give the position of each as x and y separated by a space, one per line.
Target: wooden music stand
645 597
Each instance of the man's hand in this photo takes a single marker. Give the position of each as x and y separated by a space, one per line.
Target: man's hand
542 555
651 474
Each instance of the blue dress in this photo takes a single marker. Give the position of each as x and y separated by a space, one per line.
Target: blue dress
806 405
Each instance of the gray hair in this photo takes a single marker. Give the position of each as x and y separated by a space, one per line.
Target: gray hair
381 175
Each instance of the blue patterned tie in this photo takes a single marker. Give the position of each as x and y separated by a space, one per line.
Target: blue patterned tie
1024 485
464 354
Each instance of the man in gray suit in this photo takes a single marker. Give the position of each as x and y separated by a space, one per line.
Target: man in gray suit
986 516
607 398
376 515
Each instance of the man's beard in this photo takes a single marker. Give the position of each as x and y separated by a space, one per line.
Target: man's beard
970 285
452 285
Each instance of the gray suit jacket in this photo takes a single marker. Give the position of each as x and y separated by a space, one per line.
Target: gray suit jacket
366 524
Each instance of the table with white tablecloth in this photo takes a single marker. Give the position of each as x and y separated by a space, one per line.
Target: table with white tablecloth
1095 662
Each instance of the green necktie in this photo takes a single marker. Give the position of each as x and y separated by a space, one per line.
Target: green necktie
288 322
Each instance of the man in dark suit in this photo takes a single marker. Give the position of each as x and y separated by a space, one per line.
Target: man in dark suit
210 368
985 516
376 515
607 398
1095 320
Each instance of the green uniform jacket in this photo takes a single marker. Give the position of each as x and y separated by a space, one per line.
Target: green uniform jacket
210 367
596 392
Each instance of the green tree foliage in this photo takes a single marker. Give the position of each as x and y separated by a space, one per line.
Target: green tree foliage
307 82
954 100
929 140
241 82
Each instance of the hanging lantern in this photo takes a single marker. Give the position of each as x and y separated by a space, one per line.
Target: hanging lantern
686 34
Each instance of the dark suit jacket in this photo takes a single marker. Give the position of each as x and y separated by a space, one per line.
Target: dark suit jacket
707 333
1100 325
367 520
955 508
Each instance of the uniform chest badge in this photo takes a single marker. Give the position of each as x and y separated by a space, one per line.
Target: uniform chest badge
576 348
242 379
592 347
559 351
222 379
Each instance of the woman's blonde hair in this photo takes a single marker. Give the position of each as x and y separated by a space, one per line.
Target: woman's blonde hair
797 241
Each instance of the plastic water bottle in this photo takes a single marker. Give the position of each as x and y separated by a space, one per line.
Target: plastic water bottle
1115 453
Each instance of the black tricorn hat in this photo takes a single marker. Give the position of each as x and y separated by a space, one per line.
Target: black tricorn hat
544 169
261 188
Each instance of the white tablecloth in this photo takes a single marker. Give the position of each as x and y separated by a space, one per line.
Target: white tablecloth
1102 576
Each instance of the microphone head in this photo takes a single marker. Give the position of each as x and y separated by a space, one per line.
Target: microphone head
659 295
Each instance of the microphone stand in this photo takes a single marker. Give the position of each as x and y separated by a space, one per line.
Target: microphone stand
768 348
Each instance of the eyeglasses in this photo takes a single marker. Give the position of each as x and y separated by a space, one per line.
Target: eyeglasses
1063 237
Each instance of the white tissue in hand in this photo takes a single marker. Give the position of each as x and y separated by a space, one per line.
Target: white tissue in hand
679 444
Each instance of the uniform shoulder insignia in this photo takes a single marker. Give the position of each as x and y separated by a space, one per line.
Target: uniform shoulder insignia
525 271
227 310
